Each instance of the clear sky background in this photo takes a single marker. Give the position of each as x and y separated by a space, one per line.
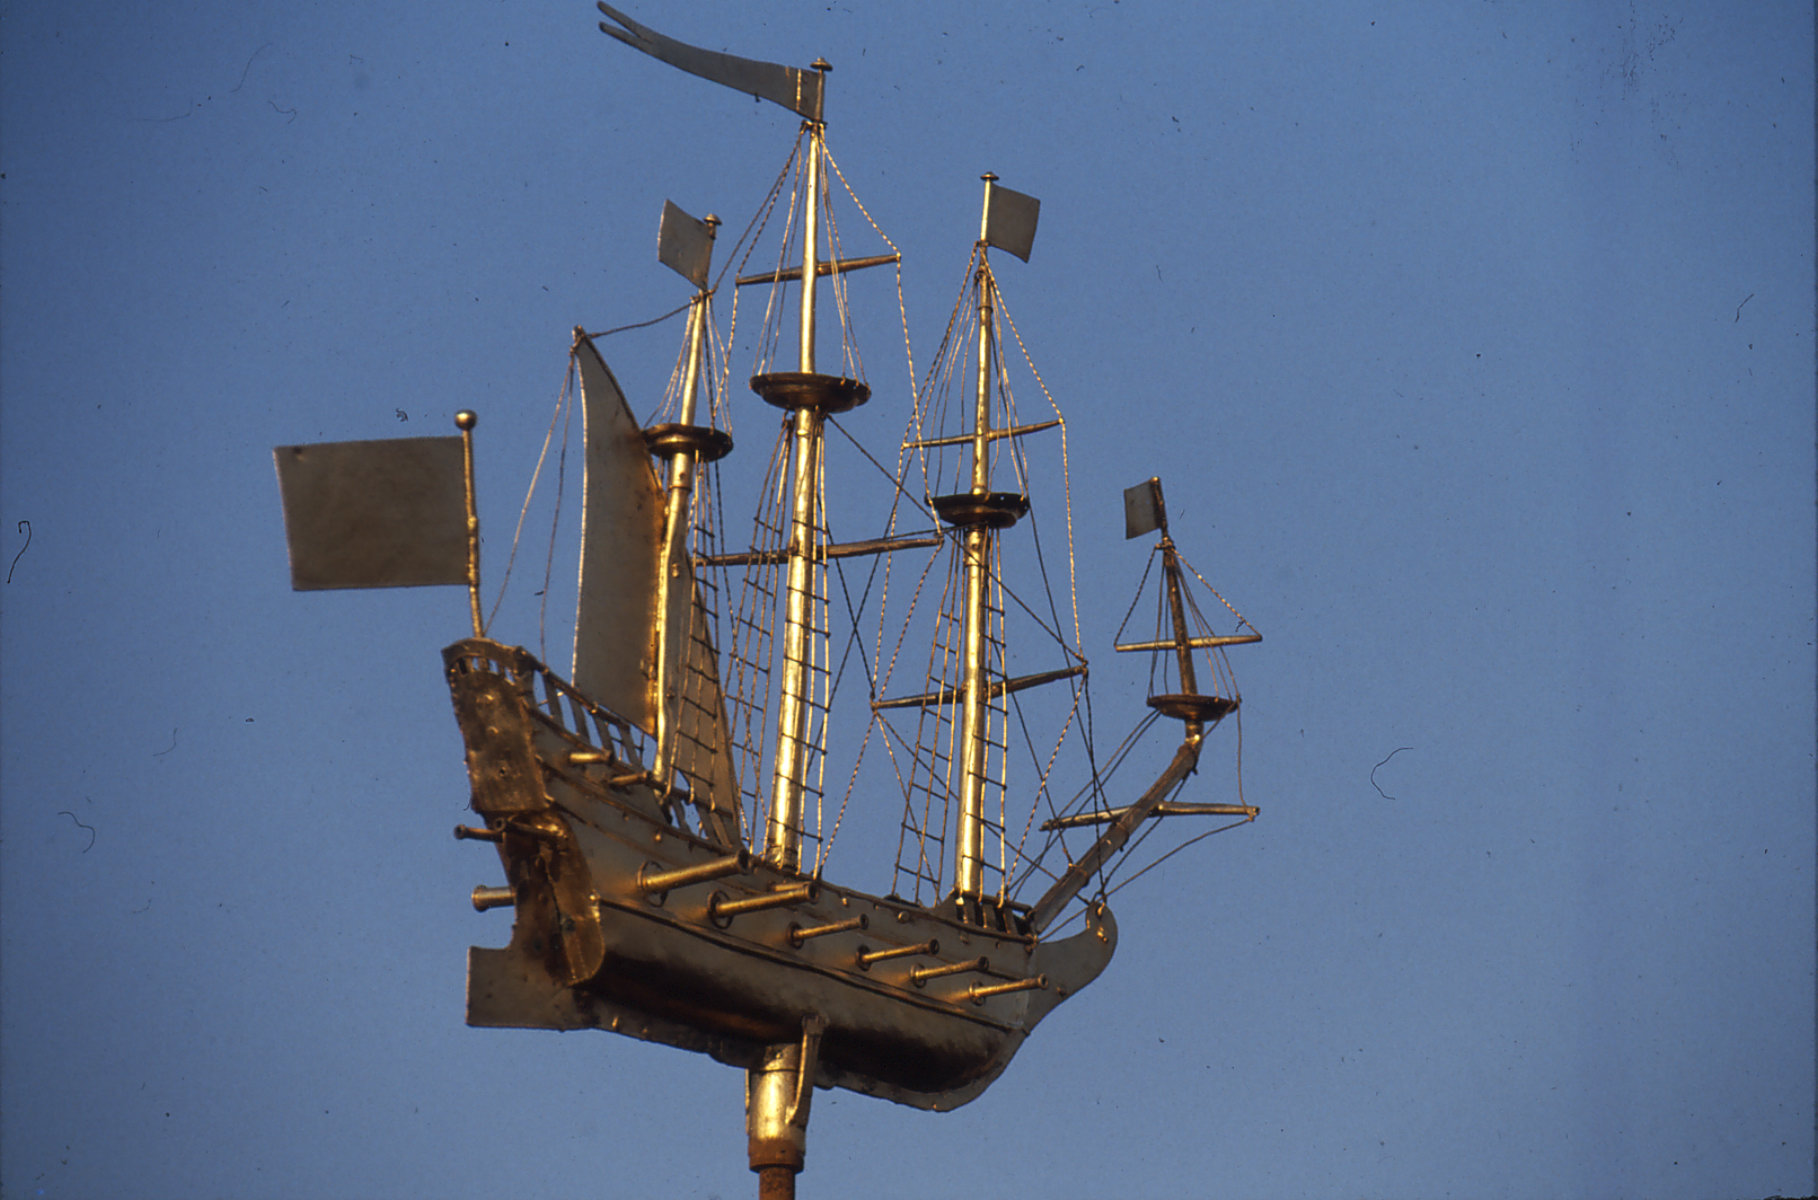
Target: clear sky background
1474 343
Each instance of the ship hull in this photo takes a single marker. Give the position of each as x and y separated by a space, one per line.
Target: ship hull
919 1006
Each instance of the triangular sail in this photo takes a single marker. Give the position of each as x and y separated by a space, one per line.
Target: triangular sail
703 749
615 620
621 540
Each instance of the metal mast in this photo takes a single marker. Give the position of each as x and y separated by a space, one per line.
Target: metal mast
975 708
676 517
979 512
783 835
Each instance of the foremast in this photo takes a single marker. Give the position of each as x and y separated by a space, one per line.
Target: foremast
1146 512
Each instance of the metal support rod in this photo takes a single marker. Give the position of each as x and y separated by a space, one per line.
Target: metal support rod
799 935
720 908
465 420
980 992
920 975
492 897
651 882
867 957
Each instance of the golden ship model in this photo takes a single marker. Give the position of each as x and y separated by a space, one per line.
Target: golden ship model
658 813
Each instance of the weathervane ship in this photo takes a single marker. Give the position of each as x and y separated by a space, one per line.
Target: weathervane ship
659 813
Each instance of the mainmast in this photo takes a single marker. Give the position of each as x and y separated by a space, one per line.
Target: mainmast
783 835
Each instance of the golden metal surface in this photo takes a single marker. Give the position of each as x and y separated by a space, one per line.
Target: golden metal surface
1166 809
980 992
722 909
866 956
587 787
921 975
1197 643
834 267
465 420
798 935
796 90
658 881
492 897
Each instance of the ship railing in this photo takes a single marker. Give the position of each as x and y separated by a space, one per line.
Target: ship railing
552 699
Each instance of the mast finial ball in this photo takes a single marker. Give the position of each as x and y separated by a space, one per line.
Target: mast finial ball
466 419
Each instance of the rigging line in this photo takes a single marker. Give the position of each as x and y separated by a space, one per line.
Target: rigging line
754 231
555 521
753 629
1095 786
1108 870
1041 563
902 308
820 646
1170 854
770 327
941 368
1091 790
562 400
1242 620
755 227
915 596
642 324
1137 599
1094 789
1042 773
851 784
1066 465
1036 617
895 482
849 351
906 786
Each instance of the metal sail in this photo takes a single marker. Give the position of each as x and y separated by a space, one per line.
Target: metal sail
615 638
621 541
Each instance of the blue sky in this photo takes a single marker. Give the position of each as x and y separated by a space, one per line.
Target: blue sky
1473 342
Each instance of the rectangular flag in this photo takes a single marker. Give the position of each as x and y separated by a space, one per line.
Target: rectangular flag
685 245
1143 510
389 513
1010 221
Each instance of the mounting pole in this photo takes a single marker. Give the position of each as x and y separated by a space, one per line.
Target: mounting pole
778 1092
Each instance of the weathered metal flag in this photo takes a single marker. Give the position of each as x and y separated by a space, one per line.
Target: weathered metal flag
685 245
374 514
1010 220
1143 509
797 90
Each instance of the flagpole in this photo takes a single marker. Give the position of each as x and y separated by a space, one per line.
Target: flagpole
465 420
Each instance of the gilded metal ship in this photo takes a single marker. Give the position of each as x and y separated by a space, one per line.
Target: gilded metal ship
659 813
